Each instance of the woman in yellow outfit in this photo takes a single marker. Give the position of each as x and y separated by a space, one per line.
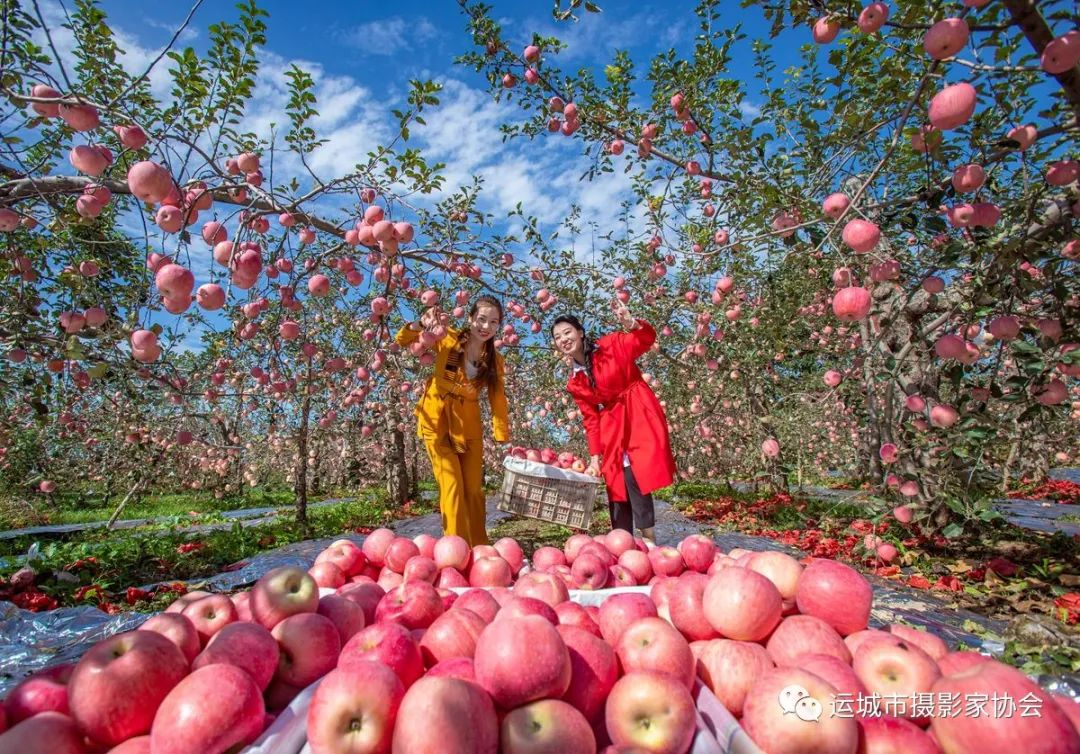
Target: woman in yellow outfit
448 414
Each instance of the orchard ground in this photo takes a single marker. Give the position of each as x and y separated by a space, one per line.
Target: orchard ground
1026 581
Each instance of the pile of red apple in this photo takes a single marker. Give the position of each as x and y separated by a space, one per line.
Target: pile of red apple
563 460
409 665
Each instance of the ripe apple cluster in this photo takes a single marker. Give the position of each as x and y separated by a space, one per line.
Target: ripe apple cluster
512 661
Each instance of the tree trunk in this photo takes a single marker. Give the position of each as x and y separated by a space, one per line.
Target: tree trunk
412 458
300 484
397 476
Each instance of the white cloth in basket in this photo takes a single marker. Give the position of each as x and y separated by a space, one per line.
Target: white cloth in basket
535 468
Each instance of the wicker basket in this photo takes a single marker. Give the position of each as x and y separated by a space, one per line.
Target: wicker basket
553 495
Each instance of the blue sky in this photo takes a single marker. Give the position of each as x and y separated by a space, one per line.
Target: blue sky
362 55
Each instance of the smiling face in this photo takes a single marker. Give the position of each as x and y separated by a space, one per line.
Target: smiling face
569 341
485 322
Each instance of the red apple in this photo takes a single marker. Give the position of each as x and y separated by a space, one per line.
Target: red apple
638 564
779 568
375 546
137 745
184 600
598 550
214 709
280 695
47 733
654 645
389 579
548 725
355 710
666 561
686 607
44 691
480 601
573 614
420 568
345 614
517 607
452 552
836 672
573 546
399 552
620 578
660 594
799 635
451 578
178 629
729 668
896 668
546 557
283 592
119 683
519 660
742 604
414 604
511 552
957 662
345 555
856 640
892 735
456 667
388 643
589 571
441 714
652 712
328 575
593 671
248 646
453 634
1037 725
210 615
543 586
836 593
698 552
242 602
771 716
426 544
490 571
924 640
367 596
620 611
1070 707
309 644
619 541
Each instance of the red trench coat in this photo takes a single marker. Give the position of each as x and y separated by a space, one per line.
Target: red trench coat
623 415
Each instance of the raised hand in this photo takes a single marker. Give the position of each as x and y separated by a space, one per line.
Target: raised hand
622 313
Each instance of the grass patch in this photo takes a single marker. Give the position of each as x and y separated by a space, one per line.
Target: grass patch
532 533
102 567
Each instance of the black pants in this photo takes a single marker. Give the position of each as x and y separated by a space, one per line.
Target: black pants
638 511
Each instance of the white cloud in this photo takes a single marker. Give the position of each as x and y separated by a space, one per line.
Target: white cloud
389 36
749 110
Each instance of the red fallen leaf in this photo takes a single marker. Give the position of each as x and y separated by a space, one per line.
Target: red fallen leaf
134 594
948 582
886 571
1068 608
1002 567
918 582
976 574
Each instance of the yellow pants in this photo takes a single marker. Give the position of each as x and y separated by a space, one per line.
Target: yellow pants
460 477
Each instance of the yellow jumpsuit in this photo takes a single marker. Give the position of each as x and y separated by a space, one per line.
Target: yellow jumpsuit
448 421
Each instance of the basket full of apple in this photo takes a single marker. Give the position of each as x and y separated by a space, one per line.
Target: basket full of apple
426 645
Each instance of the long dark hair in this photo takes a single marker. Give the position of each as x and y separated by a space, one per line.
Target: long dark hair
486 372
587 343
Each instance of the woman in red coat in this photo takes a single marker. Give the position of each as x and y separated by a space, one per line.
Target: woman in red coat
624 422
